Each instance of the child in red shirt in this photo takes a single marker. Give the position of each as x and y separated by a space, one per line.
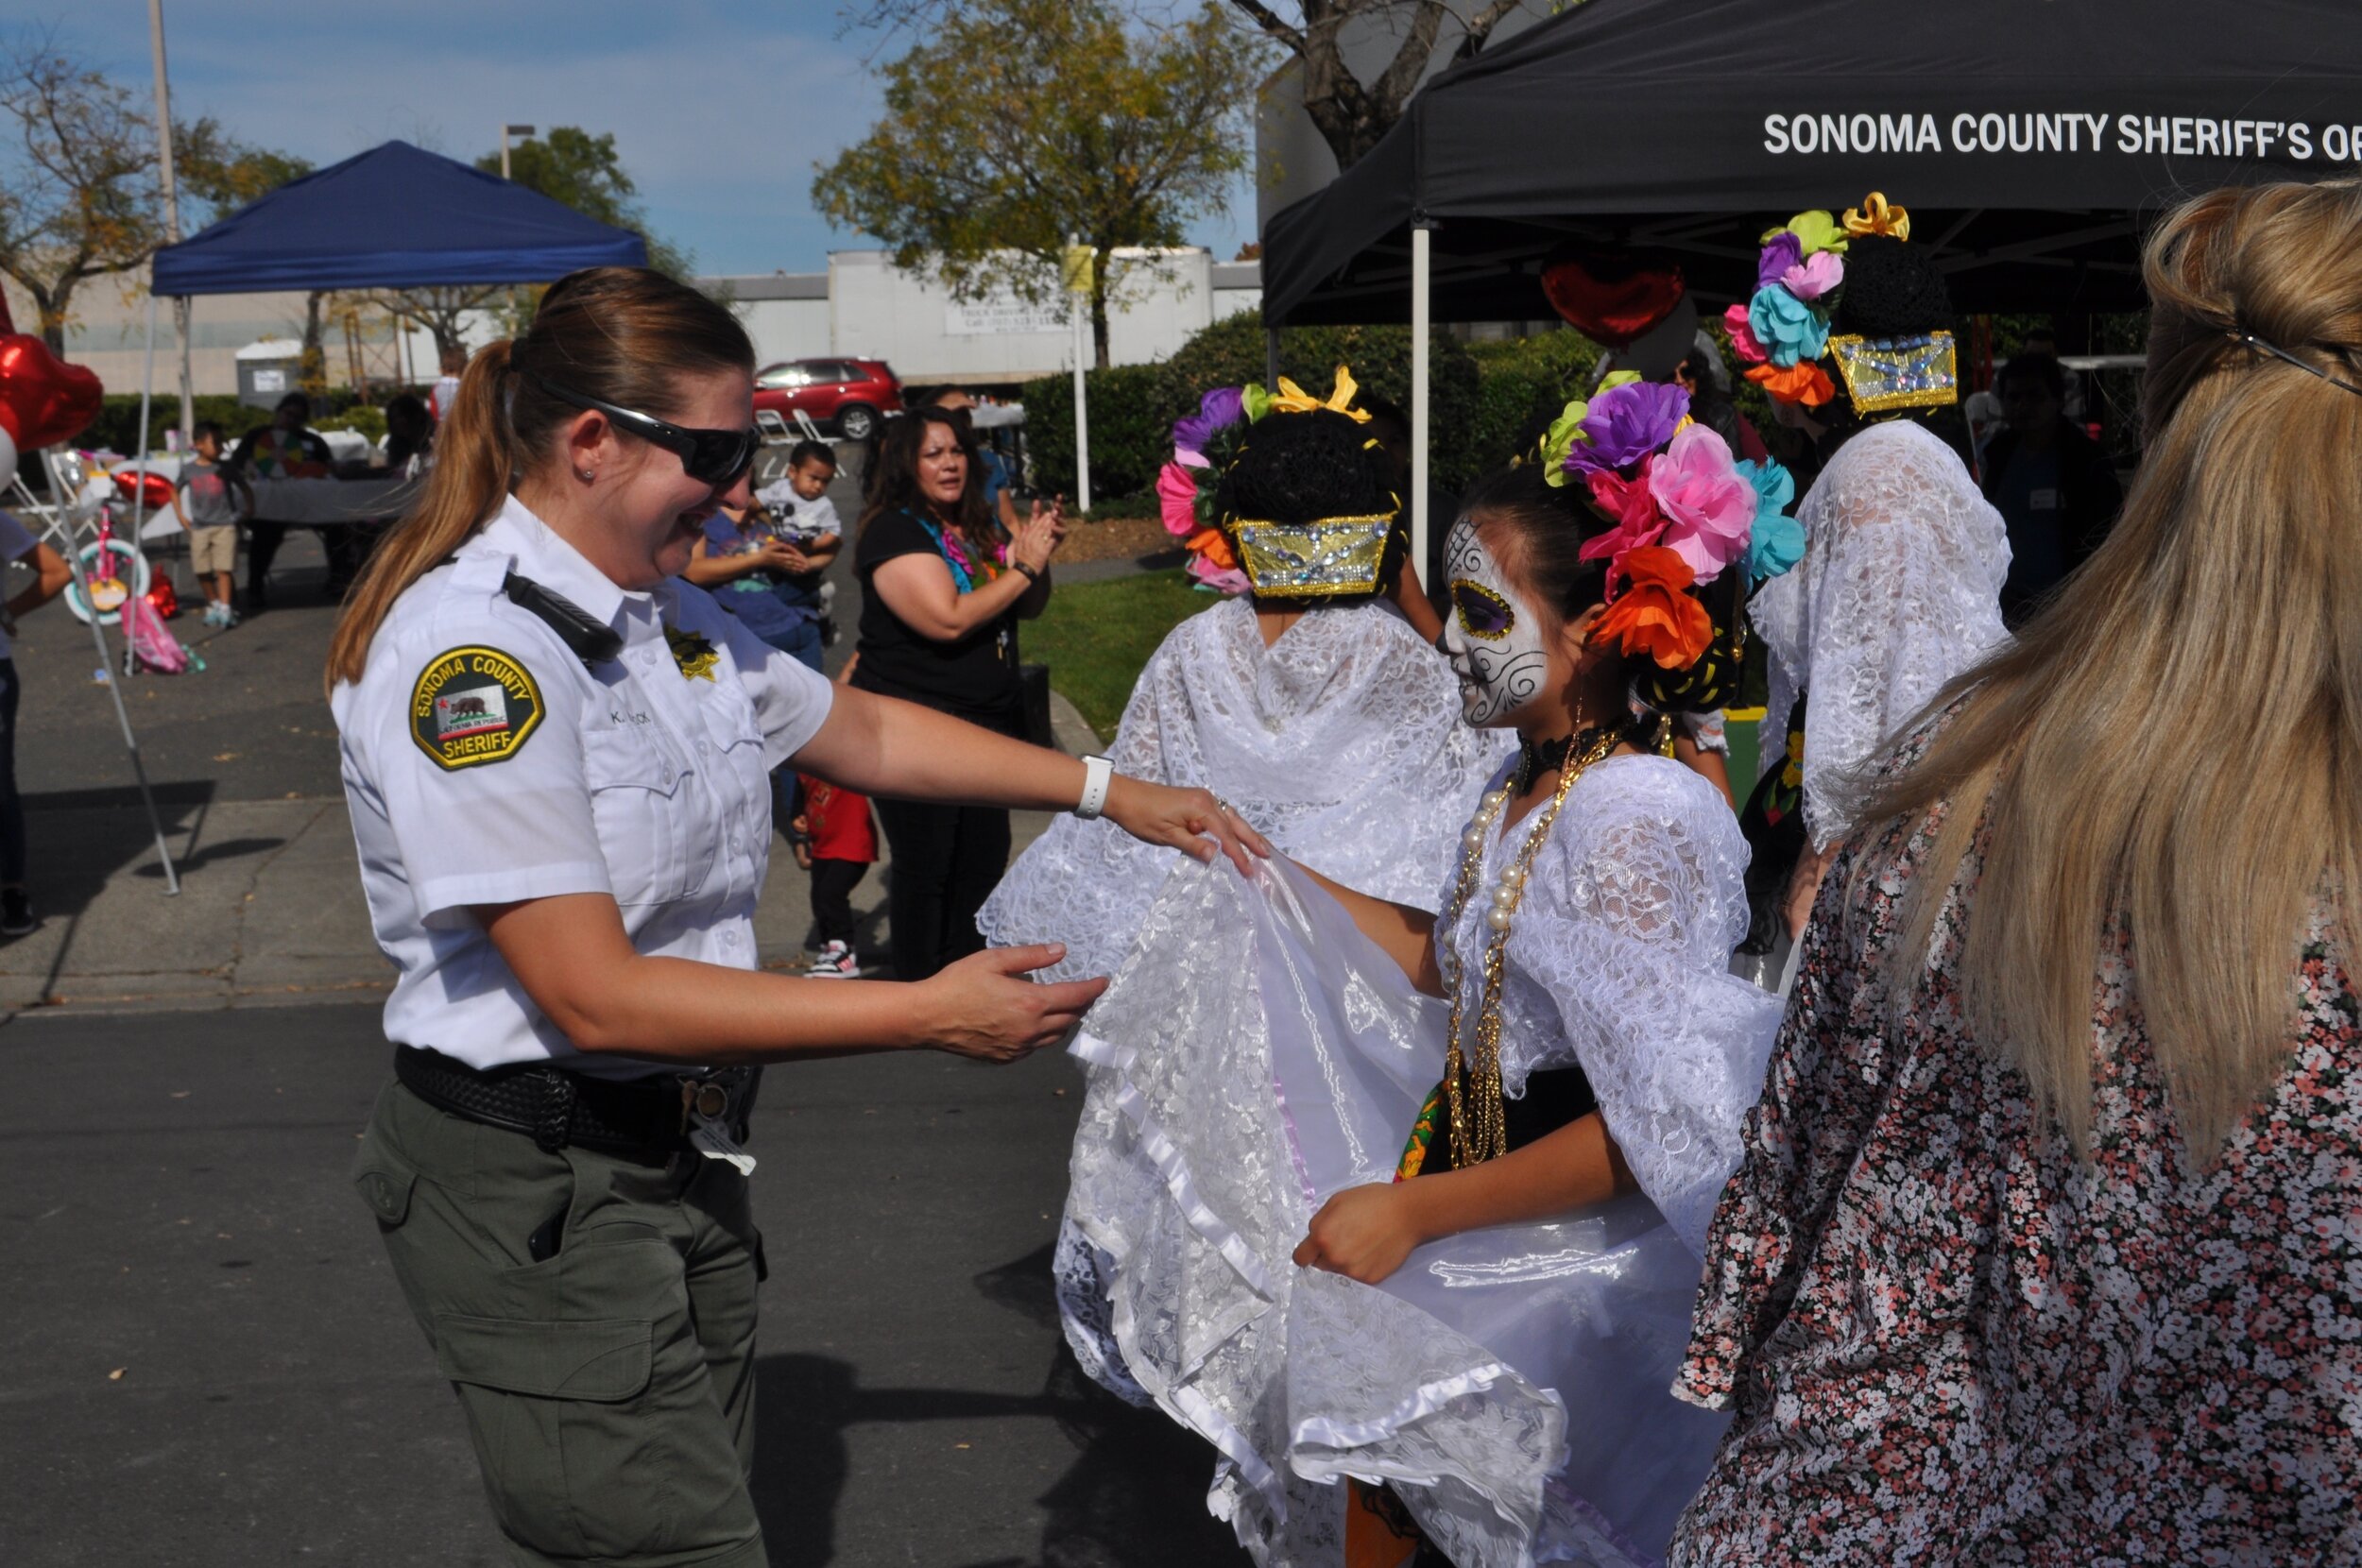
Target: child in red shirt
840 842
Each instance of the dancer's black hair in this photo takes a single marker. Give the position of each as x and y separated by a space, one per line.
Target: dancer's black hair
1891 290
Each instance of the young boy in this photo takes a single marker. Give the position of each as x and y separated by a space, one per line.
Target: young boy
801 499
211 500
836 840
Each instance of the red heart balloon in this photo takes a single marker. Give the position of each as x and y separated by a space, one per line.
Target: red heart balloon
1611 299
43 401
158 489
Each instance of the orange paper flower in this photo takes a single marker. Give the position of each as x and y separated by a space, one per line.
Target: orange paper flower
1805 382
1654 614
1209 544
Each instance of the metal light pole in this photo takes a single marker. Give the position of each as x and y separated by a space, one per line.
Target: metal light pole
172 216
506 132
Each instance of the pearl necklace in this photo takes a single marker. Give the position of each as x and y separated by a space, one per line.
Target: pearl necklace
1481 1132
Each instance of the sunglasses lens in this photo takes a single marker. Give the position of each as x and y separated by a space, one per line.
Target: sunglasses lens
722 455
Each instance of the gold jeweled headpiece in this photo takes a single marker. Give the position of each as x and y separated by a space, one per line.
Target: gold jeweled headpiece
1883 374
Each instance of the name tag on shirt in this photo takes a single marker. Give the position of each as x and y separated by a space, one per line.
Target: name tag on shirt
2042 501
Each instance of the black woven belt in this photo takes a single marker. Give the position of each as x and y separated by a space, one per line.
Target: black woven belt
648 1117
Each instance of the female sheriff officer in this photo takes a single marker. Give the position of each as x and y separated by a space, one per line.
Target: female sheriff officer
557 760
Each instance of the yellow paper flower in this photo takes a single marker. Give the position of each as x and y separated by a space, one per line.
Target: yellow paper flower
1877 216
1292 398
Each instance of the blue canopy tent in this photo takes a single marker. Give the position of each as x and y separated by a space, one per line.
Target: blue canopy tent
396 216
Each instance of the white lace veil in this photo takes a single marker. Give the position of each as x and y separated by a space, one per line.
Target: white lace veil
1899 592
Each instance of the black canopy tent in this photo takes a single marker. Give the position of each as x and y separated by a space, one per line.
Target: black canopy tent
2030 140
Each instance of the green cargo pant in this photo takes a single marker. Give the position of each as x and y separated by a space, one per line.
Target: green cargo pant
609 1388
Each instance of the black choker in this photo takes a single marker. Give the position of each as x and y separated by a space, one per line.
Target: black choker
1537 758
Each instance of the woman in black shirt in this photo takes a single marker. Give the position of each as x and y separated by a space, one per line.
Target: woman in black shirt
943 589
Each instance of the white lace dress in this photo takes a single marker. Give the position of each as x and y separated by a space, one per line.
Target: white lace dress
1899 592
1512 1384
1341 743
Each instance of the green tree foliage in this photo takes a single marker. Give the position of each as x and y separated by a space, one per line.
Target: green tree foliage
1014 124
584 172
79 196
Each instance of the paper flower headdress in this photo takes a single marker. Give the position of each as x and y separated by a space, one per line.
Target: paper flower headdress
1326 556
1693 529
1784 330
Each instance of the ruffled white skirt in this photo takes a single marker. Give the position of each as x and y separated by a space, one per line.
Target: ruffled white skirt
1511 1385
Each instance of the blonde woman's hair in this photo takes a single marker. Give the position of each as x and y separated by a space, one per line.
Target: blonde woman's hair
2173 746
624 335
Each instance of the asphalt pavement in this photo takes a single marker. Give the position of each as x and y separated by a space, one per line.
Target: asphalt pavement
209 1362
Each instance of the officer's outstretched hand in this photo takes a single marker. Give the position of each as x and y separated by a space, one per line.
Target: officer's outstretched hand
1191 821
982 1007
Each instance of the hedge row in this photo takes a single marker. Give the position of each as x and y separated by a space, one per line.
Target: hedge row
1485 400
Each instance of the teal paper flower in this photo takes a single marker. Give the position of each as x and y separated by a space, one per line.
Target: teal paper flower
1789 328
1776 542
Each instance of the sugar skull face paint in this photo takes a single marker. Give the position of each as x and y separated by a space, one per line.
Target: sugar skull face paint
1493 638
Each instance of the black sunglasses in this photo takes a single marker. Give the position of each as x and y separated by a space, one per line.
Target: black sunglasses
714 457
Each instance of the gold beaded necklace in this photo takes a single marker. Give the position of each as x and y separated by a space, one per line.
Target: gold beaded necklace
1481 1132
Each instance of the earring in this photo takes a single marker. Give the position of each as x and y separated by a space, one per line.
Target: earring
586 476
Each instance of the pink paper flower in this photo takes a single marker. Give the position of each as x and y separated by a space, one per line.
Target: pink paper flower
1176 501
1814 276
1743 340
1638 524
1708 504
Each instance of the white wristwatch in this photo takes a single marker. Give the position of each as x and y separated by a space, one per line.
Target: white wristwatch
1097 773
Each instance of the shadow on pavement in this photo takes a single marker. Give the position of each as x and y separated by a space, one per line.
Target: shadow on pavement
1134 1496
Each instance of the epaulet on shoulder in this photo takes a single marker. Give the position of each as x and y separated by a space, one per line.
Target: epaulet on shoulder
586 637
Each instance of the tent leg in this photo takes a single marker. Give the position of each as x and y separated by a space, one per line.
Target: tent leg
148 389
114 681
1419 521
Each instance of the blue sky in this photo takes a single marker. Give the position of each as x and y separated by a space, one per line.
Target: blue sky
719 108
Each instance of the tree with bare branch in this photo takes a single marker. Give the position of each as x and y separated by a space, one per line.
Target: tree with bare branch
1351 114
78 194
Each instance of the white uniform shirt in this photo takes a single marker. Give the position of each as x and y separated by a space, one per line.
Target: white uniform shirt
484 763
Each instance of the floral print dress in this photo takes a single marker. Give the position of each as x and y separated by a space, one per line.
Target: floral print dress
1947 1341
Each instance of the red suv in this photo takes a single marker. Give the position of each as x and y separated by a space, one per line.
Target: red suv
850 394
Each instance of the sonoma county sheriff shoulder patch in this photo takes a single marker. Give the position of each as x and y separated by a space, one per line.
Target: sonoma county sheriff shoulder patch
473 705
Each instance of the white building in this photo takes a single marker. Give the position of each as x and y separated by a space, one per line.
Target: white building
866 307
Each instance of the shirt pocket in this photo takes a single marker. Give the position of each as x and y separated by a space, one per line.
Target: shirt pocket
638 799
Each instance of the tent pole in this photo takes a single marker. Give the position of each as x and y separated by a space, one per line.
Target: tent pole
64 531
147 388
1419 242
1270 356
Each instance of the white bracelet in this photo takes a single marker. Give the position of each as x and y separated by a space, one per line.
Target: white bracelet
1097 773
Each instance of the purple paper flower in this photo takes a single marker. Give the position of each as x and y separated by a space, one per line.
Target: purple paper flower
1780 253
1626 423
1218 410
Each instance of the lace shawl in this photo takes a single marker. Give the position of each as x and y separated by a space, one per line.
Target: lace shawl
1899 592
1341 743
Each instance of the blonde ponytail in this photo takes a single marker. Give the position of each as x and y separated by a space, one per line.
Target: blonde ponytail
475 462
